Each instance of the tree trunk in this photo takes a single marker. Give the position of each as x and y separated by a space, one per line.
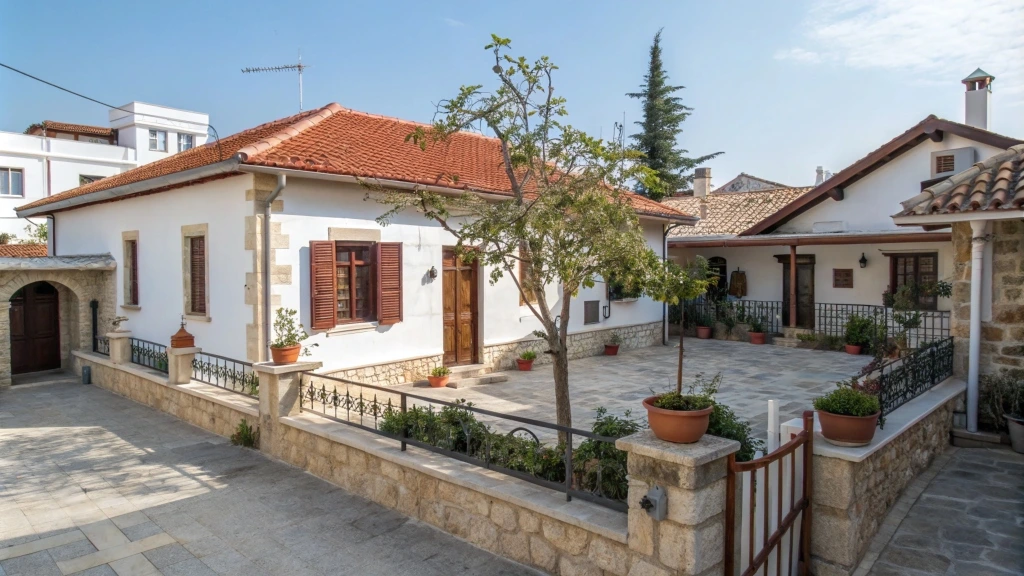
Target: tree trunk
679 369
563 407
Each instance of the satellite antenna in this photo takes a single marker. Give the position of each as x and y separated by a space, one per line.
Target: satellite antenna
298 66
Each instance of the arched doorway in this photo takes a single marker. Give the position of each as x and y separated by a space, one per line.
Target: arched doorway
35 328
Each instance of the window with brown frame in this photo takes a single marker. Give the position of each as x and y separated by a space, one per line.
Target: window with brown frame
919 269
842 277
944 164
197 274
131 250
355 282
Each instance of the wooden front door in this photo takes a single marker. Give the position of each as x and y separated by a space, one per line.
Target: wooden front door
458 283
804 291
35 329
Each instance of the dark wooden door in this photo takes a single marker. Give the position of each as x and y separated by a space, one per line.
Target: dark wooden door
458 282
35 329
804 294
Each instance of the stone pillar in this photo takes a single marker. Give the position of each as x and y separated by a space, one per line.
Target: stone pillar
691 539
279 396
179 364
5 344
120 346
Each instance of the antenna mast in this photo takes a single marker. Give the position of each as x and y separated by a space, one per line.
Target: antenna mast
298 66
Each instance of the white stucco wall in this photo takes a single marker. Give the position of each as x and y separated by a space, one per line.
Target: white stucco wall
870 202
158 218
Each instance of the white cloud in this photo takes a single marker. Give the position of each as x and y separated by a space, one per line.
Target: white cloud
453 22
928 39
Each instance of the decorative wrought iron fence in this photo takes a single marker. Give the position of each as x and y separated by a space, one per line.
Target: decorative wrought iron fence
101 345
227 373
579 464
149 354
769 311
927 325
906 378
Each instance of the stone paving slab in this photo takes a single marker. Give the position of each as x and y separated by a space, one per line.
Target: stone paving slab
93 484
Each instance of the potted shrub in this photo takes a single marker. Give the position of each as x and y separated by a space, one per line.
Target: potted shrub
858 333
439 377
704 322
611 347
1002 407
683 418
848 416
525 360
287 347
756 330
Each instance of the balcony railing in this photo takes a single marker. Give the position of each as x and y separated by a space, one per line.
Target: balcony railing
149 354
906 378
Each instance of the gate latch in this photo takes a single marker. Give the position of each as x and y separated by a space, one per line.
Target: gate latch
655 503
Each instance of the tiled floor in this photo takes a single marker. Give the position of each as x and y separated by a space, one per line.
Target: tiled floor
967 518
751 376
94 484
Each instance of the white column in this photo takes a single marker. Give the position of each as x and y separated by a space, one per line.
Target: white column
979 228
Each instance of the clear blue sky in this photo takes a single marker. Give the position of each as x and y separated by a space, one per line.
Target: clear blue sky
779 86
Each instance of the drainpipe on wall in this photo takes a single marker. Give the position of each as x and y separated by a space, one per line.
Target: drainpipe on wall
979 230
281 182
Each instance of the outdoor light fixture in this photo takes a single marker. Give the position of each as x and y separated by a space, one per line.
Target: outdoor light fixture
863 260
433 272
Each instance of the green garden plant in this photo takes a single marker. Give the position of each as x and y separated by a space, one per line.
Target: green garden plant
439 371
858 330
246 435
1001 395
289 331
846 400
528 355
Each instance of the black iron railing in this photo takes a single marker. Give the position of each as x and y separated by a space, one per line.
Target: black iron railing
742 311
921 326
906 378
227 373
579 464
149 354
101 345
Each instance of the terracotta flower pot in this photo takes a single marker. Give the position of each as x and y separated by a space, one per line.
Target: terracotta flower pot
848 430
703 332
851 349
286 355
438 381
611 349
756 337
524 365
679 426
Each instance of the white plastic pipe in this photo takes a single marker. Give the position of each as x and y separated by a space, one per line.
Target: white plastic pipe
979 228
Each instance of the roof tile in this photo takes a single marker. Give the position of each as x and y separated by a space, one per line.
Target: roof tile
731 213
996 183
22 250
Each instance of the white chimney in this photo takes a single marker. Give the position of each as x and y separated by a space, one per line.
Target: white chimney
819 175
976 101
701 182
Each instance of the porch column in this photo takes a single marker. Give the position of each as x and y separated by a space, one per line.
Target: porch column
792 285
979 229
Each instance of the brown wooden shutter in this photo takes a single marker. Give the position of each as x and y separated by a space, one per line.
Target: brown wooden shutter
133 286
389 283
197 273
323 285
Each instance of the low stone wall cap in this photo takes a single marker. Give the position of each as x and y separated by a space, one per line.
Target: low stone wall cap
707 449
272 368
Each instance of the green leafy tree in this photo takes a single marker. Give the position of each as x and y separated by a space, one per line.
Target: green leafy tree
37 233
566 219
661 126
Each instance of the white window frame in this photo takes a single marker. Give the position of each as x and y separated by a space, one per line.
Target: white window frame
5 173
154 140
191 142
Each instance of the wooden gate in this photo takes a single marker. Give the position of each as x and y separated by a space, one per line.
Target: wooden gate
770 513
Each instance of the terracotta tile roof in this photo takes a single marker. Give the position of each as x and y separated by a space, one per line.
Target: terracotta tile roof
67 127
731 213
996 183
337 140
22 250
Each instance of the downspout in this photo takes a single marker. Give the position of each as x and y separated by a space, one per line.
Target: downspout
979 230
281 182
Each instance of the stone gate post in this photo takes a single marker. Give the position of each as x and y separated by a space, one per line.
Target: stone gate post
279 397
120 346
179 364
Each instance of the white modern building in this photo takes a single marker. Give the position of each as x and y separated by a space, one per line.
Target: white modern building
52 157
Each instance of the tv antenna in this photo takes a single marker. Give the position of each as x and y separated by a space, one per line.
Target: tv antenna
285 68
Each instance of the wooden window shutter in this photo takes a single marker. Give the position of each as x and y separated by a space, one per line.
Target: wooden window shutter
133 281
389 283
197 273
323 285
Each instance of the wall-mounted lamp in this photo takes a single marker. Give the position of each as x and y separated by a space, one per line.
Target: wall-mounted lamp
863 260
433 272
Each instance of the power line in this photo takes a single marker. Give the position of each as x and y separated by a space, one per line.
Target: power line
216 135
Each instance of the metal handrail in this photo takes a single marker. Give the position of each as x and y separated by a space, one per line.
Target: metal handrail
227 373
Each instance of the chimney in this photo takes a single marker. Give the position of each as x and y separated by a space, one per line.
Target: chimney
976 100
703 209
701 182
819 175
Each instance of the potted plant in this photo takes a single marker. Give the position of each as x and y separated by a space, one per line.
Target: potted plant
611 347
683 418
525 360
756 330
848 415
1002 407
287 347
704 322
858 333
439 377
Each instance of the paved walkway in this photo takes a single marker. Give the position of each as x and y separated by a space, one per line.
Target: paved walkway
95 484
965 515
751 376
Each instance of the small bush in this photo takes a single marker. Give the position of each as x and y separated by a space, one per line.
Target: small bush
246 435
806 337
614 339
440 371
683 402
847 401
756 324
528 355
725 424
1000 395
858 330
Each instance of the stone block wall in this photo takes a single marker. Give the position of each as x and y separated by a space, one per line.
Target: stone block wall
581 345
851 499
402 372
1002 345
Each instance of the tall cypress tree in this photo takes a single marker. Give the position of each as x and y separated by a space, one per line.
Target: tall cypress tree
664 114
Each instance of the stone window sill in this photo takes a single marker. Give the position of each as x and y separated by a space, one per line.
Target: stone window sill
624 300
131 307
343 329
197 318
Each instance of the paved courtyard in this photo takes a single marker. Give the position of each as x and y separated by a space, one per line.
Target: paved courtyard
94 484
965 517
751 376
